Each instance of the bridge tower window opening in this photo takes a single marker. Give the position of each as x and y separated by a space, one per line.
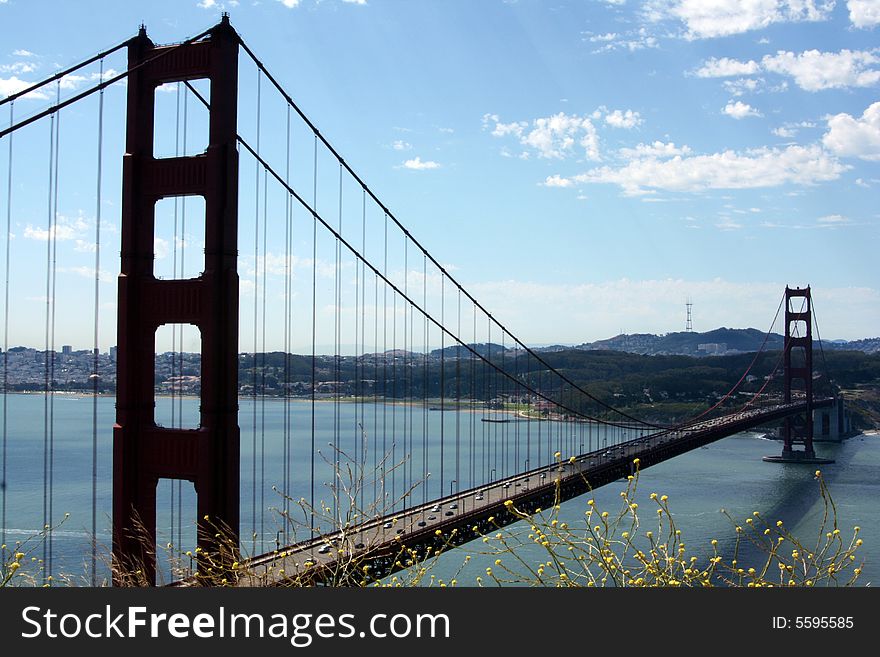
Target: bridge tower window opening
176 529
178 376
179 237
175 104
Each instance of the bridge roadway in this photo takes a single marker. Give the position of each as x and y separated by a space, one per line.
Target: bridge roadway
388 543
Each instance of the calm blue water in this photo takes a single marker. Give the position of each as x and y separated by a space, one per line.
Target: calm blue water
370 442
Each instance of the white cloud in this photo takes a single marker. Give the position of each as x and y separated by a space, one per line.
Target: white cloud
553 137
61 232
355 2
762 167
657 149
207 4
790 129
88 272
557 181
627 119
740 110
720 18
631 41
851 137
813 70
400 145
728 224
23 53
290 4
13 85
743 86
418 165
160 248
726 67
833 219
18 68
864 13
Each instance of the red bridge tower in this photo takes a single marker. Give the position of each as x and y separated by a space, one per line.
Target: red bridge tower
143 452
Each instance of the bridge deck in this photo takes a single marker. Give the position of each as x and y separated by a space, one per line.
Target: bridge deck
390 543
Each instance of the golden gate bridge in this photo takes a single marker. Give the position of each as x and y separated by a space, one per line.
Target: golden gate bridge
218 181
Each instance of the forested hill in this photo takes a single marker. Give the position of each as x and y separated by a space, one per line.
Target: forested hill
720 341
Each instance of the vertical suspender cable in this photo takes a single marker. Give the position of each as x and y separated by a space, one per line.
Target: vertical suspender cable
442 378
458 352
362 357
288 328
407 381
4 483
174 327
95 374
47 382
385 394
53 296
263 368
256 307
337 332
178 483
54 241
380 504
314 323
425 383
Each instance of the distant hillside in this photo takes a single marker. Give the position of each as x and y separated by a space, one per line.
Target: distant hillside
721 341
487 349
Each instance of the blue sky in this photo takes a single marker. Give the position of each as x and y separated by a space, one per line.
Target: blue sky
581 167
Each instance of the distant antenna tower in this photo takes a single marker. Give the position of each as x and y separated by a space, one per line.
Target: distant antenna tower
690 326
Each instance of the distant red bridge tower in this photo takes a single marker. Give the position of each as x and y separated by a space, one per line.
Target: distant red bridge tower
798 373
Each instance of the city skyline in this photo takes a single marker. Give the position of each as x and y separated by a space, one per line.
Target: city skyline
581 168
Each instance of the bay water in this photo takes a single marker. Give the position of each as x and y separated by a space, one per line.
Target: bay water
59 450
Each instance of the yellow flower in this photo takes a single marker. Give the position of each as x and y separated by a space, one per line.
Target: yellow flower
19 556
779 523
664 498
557 455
